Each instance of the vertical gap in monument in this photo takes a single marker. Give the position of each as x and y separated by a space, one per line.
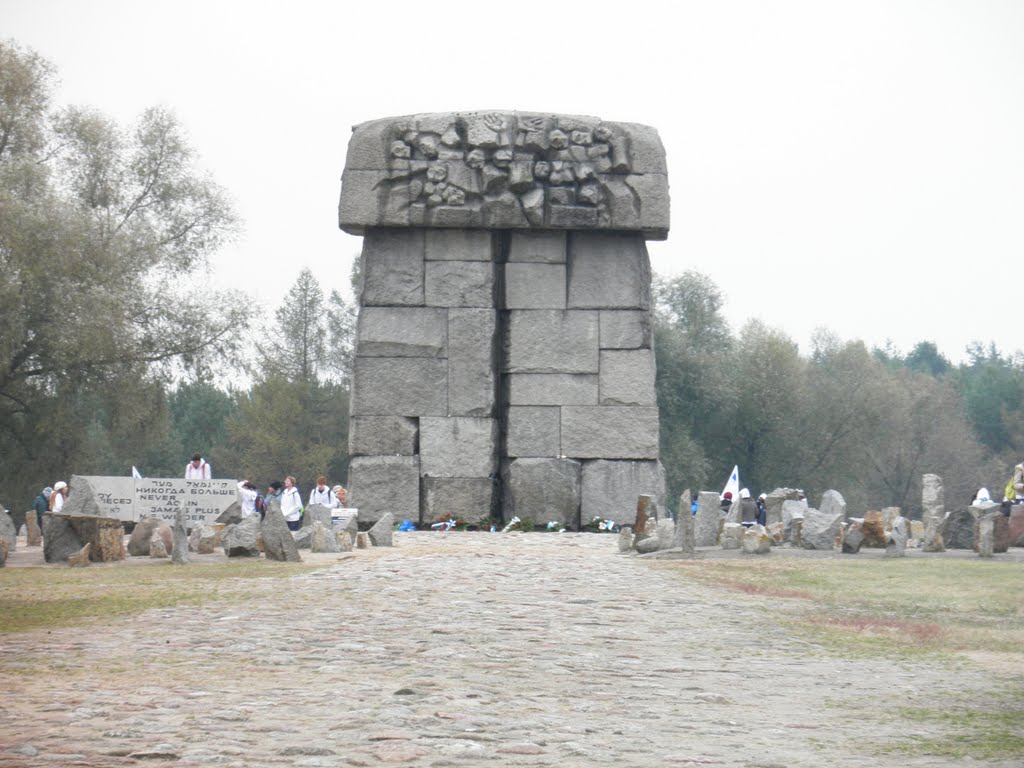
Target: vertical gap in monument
500 249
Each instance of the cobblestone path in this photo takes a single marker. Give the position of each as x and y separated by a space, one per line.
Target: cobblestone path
460 650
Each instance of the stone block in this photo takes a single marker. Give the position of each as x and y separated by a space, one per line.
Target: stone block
708 522
367 149
543 490
533 431
381 484
1016 526
539 247
383 436
393 267
957 530
278 541
832 504
358 207
459 245
609 432
470 499
458 446
996 526
552 389
819 529
243 539
627 377
402 332
60 540
534 286
105 534
608 270
145 531
459 284
625 329
610 488
381 533
552 341
399 386
654 213
472 362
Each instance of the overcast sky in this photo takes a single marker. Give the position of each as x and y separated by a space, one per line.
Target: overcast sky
857 166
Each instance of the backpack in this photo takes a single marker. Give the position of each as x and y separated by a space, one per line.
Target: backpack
259 504
1009 492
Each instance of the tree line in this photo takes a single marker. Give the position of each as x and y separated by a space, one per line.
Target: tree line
113 353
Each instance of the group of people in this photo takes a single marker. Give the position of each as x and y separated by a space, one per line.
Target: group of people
50 500
751 511
288 496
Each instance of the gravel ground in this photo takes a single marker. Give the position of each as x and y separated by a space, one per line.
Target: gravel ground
463 649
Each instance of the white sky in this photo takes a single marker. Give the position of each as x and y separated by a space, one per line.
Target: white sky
851 165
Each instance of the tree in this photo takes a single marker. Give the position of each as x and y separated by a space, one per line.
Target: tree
103 232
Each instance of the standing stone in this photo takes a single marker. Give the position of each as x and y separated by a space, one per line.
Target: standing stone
362 540
709 519
819 530
3 552
874 529
7 530
625 539
80 559
33 533
933 509
60 540
278 542
957 530
853 537
157 548
833 503
106 534
756 541
323 539
1016 526
345 540
643 506
773 504
986 534
317 513
204 539
896 541
610 488
179 555
732 534
382 532
793 510
1000 533
664 533
683 539
243 539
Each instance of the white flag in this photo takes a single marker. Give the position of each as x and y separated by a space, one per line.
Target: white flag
135 473
733 483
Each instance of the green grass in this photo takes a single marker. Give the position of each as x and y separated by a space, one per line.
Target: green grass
989 731
47 598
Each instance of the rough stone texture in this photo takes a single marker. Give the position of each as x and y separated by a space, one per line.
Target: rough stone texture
553 389
986 534
627 377
60 540
544 490
81 558
472 499
1016 526
458 245
402 332
303 537
820 529
853 538
33 533
504 170
533 431
708 522
7 530
459 284
323 539
625 539
538 247
535 286
756 541
348 522
684 539
957 530
833 503
610 488
609 432
552 341
242 539
896 540
157 548
472 362
644 512
773 504
874 529
379 484
383 436
106 534
381 534
278 542
647 544
142 534
608 271
81 499
792 508
317 513
625 329
933 504
999 534
179 554
399 386
362 540
3 552
458 446
204 539
664 533
732 535
231 514
393 268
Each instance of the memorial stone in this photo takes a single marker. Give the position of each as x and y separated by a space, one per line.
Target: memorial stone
819 529
957 530
278 542
933 512
60 540
709 519
504 314
7 530
381 533
33 532
1016 526
179 554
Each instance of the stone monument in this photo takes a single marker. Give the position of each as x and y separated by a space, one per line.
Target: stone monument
504 361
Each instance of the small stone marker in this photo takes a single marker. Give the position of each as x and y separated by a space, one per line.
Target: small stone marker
709 519
323 538
381 534
33 533
81 558
362 540
278 542
157 548
625 539
7 530
179 555
60 540
896 544
242 539
756 541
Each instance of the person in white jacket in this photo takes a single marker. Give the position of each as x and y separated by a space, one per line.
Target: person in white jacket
291 504
321 494
198 469
247 497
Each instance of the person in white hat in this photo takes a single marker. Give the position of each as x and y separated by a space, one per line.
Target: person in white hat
60 493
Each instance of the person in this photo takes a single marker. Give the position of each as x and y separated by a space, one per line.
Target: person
321 494
1018 482
726 503
59 495
42 505
762 509
248 496
748 509
198 468
341 494
291 504
981 497
274 491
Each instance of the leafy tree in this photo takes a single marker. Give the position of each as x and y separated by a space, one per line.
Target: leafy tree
926 358
102 232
